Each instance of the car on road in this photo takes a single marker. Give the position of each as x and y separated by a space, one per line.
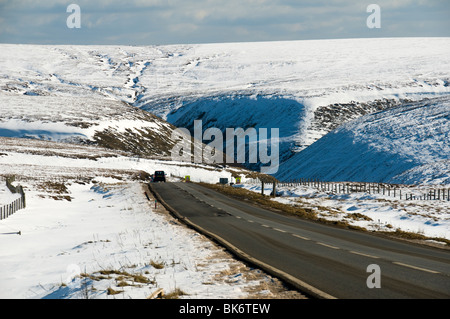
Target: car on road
159 176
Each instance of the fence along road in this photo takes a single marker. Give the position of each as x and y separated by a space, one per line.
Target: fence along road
406 192
20 203
320 260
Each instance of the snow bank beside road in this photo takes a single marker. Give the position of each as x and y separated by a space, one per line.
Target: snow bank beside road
374 212
111 228
88 231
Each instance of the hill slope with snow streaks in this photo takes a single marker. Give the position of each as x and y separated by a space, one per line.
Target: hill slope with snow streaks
304 88
407 144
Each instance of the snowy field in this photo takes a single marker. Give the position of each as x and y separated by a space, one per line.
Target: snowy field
88 231
318 72
57 118
373 212
112 233
229 84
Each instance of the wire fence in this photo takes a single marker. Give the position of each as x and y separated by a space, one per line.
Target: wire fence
8 210
406 192
19 203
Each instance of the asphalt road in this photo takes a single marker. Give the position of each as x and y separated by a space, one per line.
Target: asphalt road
321 260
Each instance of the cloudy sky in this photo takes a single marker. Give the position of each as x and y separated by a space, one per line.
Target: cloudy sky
153 22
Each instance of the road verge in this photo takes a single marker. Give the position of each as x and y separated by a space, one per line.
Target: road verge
290 280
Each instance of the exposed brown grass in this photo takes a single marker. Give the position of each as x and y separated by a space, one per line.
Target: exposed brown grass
56 190
264 201
112 292
311 213
358 216
175 294
157 265
120 276
54 187
415 236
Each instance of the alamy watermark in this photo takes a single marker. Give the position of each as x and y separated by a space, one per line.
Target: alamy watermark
374 279
74 20
374 19
262 149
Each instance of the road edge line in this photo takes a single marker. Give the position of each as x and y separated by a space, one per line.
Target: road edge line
299 284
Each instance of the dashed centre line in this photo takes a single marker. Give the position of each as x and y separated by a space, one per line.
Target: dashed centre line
362 254
301 237
350 251
326 245
415 267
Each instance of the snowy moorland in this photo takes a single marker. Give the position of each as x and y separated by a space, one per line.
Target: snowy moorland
423 219
377 108
89 231
85 120
408 144
304 88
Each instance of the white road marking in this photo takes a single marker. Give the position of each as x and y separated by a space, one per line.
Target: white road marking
415 267
301 237
326 245
362 254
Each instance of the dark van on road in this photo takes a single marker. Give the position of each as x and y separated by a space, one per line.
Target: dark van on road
159 176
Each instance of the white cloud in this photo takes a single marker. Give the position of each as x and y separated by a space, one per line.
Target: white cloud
189 20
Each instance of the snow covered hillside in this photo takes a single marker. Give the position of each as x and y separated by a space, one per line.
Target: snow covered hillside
408 144
109 242
88 230
85 120
37 160
305 88
80 126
